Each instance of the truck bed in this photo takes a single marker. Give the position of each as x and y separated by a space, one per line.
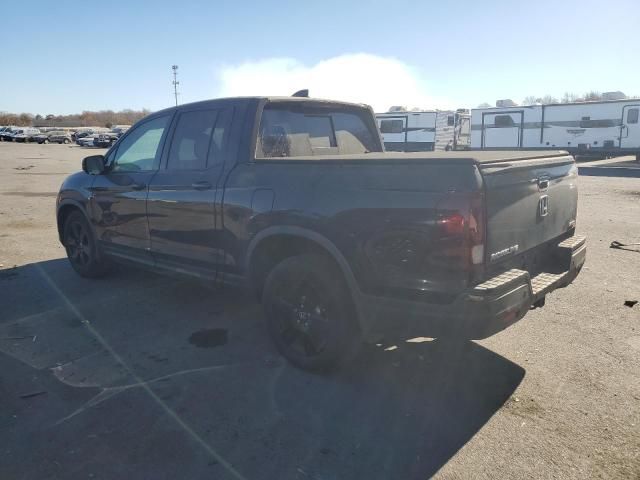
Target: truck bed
469 156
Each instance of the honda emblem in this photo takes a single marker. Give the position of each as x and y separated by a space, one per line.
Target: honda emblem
543 205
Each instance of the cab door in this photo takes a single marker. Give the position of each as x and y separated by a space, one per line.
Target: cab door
182 196
630 130
118 198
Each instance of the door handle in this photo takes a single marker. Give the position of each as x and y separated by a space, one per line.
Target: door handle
625 128
204 185
138 186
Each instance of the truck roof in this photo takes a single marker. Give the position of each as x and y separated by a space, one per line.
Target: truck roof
264 98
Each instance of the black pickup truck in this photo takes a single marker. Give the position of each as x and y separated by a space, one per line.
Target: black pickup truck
296 199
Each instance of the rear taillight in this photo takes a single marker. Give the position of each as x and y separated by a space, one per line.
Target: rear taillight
476 230
462 234
452 224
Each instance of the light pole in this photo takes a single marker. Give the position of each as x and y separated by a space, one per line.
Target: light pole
175 82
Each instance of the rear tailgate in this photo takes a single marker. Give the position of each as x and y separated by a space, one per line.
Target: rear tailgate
531 198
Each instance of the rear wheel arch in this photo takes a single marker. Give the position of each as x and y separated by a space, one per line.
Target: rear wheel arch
272 246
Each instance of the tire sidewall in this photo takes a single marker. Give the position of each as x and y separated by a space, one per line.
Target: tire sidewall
96 267
341 334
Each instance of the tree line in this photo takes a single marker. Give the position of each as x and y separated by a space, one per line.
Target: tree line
568 97
102 118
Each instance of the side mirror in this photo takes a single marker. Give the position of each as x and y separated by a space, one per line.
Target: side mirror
93 165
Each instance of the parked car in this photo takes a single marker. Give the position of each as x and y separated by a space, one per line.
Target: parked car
42 137
86 141
60 137
120 129
105 140
86 131
54 136
26 135
81 134
7 134
296 199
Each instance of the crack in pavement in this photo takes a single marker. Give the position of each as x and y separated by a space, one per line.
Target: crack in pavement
109 392
139 382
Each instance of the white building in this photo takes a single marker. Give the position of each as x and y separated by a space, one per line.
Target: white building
425 130
608 127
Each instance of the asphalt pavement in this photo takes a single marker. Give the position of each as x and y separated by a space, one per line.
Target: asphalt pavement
139 375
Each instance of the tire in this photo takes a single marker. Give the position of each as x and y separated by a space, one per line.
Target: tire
82 249
309 313
65 141
45 141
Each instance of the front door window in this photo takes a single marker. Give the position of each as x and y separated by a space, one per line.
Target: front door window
139 150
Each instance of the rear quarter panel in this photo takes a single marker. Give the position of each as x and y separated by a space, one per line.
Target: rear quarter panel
380 216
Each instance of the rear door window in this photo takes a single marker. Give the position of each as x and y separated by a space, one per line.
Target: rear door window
192 140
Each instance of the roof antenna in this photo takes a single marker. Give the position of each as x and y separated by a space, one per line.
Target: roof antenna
302 93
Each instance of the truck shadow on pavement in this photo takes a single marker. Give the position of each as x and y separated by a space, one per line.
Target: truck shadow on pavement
103 378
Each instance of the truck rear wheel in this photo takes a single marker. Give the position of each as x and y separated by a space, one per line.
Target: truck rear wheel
309 314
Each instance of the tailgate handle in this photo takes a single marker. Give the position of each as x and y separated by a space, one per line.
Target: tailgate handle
543 183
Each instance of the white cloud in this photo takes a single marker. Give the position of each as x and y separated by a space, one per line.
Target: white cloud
377 81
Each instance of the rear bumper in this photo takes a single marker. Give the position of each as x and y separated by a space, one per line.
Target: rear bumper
480 311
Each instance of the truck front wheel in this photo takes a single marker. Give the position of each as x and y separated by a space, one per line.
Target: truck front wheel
81 246
309 314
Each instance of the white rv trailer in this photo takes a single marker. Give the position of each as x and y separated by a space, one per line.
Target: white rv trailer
604 127
419 131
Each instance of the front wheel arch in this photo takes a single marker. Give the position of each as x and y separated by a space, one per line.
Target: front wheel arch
64 211
82 247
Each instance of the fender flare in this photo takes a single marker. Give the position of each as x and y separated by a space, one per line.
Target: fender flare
65 203
321 241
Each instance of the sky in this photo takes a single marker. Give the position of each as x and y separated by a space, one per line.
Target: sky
67 56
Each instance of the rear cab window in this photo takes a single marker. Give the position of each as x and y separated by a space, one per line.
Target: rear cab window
308 129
